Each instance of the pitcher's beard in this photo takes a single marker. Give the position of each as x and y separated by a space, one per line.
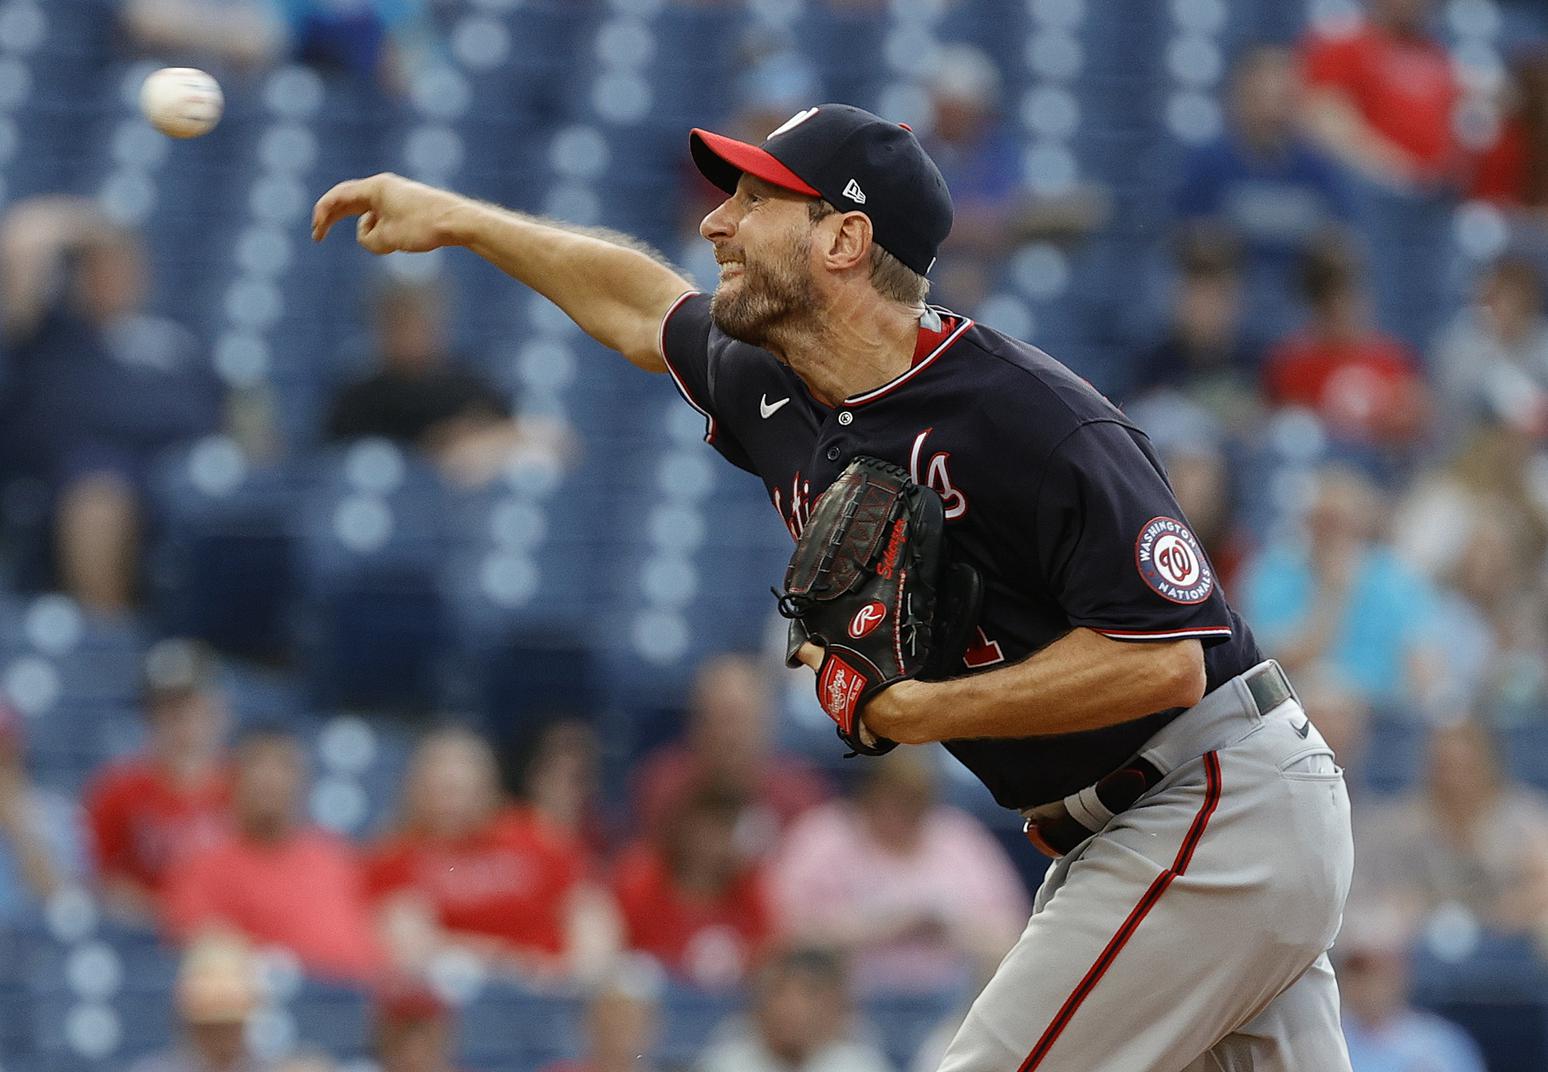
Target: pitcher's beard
763 300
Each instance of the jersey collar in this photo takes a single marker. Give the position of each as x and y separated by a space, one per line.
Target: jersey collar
938 330
933 329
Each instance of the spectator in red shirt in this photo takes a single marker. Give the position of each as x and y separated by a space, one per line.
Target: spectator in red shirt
466 869
272 878
728 746
1364 384
1513 171
148 811
1381 96
690 897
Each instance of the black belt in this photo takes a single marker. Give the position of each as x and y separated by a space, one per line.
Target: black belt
1058 833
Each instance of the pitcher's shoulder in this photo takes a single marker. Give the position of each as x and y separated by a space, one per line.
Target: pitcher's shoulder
1027 385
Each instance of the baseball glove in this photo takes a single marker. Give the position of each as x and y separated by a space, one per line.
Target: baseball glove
870 582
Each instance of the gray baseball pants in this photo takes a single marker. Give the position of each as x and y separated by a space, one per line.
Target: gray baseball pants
1191 933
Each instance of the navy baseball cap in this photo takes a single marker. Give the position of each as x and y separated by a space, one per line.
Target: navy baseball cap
855 161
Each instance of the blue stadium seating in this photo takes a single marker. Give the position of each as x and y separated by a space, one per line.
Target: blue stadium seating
222 568
1497 991
337 1019
1394 753
693 1015
507 1027
371 537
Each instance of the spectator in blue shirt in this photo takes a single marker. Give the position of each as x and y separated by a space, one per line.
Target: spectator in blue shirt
1384 1032
1264 183
95 388
1341 595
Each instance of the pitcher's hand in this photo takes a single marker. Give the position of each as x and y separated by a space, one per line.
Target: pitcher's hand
396 215
811 655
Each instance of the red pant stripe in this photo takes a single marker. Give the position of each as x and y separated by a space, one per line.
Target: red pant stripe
1131 924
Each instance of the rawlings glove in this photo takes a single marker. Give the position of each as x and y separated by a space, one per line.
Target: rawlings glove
869 582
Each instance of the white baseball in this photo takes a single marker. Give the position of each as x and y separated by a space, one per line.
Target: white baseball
181 102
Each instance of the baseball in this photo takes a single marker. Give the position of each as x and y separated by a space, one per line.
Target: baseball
181 102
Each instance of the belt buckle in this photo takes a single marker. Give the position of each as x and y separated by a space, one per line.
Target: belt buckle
1030 829
1056 832
1054 829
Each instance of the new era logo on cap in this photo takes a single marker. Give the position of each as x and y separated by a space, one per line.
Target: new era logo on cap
846 156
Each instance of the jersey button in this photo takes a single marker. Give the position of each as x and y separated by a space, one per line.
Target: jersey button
846 418
833 453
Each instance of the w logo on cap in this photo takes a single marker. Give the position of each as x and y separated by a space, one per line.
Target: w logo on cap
854 193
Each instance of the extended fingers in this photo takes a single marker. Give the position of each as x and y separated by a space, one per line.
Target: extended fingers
346 199
810 655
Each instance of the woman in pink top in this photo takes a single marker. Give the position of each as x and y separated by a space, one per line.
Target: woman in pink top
919 892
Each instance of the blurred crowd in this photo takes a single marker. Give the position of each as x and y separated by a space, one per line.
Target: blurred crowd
1365 462
730 864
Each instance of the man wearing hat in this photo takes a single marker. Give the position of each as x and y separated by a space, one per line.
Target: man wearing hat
1111 695
149 810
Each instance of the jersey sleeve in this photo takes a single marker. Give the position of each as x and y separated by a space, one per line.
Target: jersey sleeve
1114 548
695 354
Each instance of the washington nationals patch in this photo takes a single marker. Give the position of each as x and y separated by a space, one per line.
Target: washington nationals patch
1172 562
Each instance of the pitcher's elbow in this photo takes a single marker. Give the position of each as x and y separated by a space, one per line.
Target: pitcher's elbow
1185 675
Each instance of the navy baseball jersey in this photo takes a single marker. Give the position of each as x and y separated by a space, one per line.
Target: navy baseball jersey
1049 491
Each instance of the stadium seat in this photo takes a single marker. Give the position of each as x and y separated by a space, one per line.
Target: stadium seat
903 1021
1394 753
222 569
505 1026
334 1018
689 1017
372 536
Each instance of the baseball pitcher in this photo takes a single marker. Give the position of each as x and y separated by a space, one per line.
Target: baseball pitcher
988 556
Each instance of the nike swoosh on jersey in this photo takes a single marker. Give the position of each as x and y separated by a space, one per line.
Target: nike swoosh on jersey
1304 728
769 410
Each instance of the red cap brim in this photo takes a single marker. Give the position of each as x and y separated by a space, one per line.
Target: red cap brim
723 161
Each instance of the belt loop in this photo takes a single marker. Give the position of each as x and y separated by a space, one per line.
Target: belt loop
1289 684
1248 702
